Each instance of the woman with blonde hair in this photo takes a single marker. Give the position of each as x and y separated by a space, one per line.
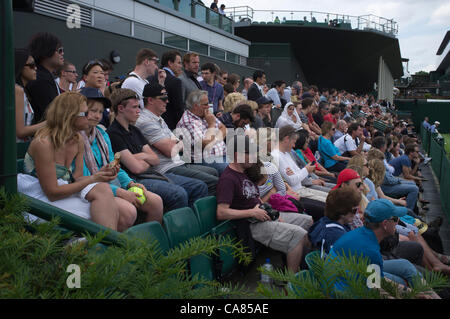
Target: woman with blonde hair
232 100
53 165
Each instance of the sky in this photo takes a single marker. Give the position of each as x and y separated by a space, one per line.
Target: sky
422 24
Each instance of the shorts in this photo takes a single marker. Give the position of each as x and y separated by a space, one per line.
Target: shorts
282 236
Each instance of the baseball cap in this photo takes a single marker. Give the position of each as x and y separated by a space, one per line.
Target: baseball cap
263 100
436 122
153 90
382 209
345 176
96 94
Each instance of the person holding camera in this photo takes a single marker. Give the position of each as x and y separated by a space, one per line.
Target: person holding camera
238 199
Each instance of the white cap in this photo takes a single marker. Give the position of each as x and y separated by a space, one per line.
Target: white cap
436 122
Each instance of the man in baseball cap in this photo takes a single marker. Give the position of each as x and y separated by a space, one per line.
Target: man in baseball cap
349 178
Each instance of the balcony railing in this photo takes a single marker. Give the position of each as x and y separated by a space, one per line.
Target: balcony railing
246 15
198 11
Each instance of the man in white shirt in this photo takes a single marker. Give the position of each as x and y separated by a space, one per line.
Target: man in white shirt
353 142
146 65
312 200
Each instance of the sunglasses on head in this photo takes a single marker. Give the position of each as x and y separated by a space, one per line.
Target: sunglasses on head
128 98
93 62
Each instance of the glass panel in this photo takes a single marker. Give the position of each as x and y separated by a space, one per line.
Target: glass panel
200 12
146 33
167 3
216 53
175 40
198 47
184 7
226 24
232 57
242 60
213 18
111 23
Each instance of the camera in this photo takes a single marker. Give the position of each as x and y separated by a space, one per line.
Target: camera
273 213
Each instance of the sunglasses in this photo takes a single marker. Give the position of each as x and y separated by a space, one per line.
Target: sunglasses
31 65
154 59
164 98
358 184
82 114
394 219
70 71
60 50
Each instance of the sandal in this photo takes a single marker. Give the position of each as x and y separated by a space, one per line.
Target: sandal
444 259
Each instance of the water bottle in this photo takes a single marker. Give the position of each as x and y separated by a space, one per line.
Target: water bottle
265 279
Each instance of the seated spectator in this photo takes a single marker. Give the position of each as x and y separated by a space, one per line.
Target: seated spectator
340 208
232 100
333 116
235 80
48 53
164 142
323 109
98 153
214 89
93 75
330 154
304 109
276 92
289 117
241 116
380 219
312 199
305 154
247 83
238 199
25 71
403 164
262 116
394 186
67 77
341 130
352 143
255 90
138 160
227 89
53 166
204 132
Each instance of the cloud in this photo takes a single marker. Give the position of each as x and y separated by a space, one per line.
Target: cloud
441 16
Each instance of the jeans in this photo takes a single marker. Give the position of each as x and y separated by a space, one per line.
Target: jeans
399 270
180 192
405 188
206 174
219 164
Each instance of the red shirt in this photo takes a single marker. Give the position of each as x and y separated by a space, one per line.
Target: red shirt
330 118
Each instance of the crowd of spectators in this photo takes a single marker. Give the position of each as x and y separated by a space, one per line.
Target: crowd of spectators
319 157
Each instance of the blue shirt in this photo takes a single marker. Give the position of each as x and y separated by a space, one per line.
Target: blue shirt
327 150
325 232
433 128
372 194
359 242
426 125
215 93
398 164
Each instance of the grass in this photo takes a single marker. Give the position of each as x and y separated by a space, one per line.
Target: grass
447 142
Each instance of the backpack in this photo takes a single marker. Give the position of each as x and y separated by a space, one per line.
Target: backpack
118 84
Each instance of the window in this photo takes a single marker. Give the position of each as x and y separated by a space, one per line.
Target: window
111 23
198 47
216 53
175 40
232 57
147 33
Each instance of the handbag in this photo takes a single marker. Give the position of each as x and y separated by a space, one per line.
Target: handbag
282 203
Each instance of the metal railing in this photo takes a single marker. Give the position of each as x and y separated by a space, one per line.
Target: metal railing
245 14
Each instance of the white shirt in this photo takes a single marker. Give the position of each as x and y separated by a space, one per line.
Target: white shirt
347 144
273 95
137 85
284 161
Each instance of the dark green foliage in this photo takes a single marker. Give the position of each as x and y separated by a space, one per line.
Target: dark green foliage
319 281
34 261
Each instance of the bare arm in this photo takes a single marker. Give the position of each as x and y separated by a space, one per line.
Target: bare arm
136 163
224 212
23 131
